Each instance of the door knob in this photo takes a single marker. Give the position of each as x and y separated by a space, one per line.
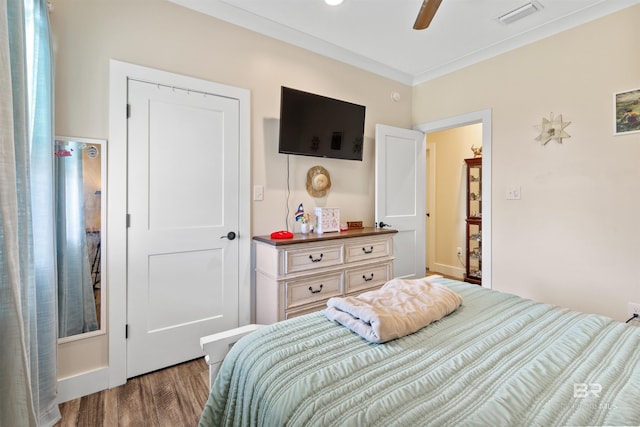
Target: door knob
383 224
230 235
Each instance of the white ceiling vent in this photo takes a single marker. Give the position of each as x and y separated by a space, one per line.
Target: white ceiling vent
526 9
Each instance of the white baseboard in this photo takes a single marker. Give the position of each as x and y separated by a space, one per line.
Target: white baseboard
83 384
449 270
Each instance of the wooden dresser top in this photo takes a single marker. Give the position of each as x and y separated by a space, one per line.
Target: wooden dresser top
315 237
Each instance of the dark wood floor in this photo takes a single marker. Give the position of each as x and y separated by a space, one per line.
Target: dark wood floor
170 397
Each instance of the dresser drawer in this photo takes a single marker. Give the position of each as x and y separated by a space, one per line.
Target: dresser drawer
313 289
312 258
367 249
361 279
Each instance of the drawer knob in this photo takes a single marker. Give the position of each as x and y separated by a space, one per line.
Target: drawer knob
316 291
367 251
315 259
367 279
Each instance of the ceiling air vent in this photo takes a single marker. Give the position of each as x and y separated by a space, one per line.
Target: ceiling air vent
520 12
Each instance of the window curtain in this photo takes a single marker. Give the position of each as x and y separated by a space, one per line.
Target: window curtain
76 302
27 236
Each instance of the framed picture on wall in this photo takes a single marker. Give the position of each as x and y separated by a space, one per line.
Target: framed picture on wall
626 112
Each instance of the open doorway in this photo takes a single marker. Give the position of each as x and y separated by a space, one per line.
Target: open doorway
483 119
446 189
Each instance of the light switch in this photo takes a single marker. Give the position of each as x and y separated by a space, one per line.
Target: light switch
258 192
513 193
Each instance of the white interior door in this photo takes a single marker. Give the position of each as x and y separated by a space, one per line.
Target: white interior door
182 280
400 195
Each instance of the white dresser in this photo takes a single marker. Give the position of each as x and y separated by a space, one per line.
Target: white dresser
297 276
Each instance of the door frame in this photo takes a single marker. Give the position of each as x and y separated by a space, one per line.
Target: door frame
430 203
116 242
484 117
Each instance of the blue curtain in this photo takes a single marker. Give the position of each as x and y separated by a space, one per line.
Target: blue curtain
76 302
27 237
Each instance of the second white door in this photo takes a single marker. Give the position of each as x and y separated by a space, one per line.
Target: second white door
400 195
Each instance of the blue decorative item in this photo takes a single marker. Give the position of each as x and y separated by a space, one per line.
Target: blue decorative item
300 213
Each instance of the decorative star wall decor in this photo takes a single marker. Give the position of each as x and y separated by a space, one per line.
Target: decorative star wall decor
553 128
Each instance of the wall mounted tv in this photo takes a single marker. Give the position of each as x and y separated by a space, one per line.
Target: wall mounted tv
314 125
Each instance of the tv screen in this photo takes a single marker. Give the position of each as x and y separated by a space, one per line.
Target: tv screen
314 125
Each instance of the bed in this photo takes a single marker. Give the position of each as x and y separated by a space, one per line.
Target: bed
497 360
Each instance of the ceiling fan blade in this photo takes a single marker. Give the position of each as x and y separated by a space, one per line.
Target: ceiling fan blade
427 11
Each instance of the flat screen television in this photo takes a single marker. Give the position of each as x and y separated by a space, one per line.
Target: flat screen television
315 125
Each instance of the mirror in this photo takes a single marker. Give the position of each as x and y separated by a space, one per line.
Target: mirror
79 177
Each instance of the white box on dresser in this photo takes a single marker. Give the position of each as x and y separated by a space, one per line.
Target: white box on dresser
327 219
297 276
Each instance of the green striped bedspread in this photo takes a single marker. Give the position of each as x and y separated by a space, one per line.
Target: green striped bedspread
499 360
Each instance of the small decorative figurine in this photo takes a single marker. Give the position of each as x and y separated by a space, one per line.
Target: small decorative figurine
304 219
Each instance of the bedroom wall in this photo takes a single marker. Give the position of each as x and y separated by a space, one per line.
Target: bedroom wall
162 35
572 240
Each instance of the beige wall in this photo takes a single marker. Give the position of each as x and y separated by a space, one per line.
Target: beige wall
572 239
162 35
449 148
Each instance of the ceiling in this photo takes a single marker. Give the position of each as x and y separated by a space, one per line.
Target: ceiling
377 35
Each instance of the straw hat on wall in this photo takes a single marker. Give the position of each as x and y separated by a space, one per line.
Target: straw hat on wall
318 181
